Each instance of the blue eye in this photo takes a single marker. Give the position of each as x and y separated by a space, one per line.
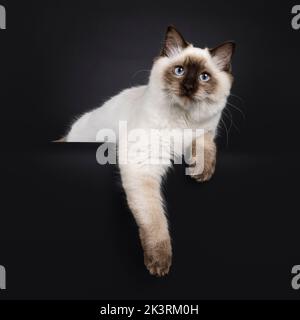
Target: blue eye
179 71
204 77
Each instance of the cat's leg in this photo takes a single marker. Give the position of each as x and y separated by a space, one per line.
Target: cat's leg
142 185
203 165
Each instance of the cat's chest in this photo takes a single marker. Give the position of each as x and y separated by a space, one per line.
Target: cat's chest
185 121
172 117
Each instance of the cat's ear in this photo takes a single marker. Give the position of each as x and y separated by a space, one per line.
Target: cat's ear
173 43
222 55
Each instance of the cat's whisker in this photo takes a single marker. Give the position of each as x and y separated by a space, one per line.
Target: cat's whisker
237 97
236 108
231 118
139 71
227 137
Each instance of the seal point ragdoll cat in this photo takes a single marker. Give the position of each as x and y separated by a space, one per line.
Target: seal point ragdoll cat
188 88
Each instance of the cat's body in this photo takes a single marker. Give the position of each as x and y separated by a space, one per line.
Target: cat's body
187 89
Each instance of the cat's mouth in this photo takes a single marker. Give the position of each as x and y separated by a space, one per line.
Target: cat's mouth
182 98
189 99
186 101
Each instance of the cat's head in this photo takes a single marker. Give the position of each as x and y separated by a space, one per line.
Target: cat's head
191 75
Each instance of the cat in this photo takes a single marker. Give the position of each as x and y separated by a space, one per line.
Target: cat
188 88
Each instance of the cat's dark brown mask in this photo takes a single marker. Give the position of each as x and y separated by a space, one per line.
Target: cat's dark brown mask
196 74
189 84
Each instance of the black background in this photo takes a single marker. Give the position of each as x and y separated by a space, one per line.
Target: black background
65 230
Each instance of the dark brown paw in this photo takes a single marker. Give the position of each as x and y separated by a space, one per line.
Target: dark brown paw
206 173
158 258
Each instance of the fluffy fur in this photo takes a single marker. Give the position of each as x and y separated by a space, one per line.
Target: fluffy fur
168 101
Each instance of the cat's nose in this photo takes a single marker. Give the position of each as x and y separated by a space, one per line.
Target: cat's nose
188 88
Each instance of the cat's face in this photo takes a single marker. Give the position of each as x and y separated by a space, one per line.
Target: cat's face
191 75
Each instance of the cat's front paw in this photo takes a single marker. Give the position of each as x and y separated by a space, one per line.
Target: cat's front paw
205 174
158 258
